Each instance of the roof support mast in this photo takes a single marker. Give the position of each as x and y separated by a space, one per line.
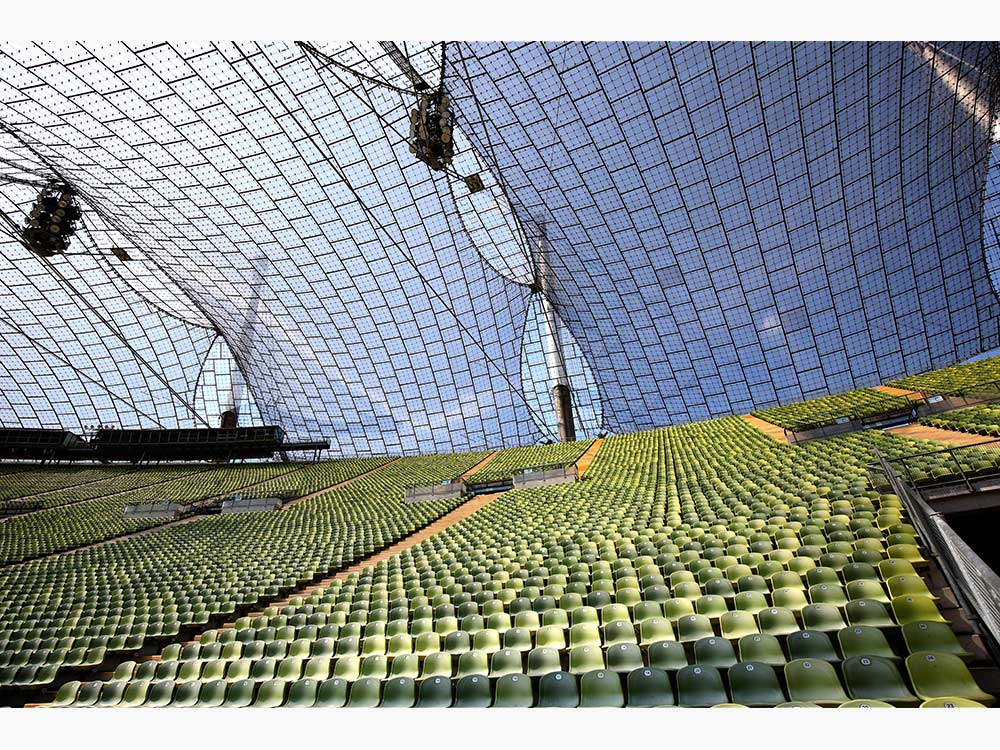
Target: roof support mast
555 361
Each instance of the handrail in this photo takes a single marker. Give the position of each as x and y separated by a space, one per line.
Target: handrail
956 559
949 449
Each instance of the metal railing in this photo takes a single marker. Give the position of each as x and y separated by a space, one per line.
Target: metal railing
975 585
965 465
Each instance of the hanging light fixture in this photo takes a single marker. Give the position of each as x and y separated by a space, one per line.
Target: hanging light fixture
51 223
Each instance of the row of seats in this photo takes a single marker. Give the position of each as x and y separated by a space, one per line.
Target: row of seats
707 546
978 420
824 411
937 679
59 528
116 596
957 379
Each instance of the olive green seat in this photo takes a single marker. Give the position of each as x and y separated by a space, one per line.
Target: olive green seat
811 644
714 652
624 657
667 655
951 703
876 678
649 687
939 675
777 621
755 684
700 687
302 693
365 693
67 693
271 694
814 681
112 694
135 693
932 636
213 694
865 703
240 694
762 648
186 694
161 693
514 691
399 692
473 691
864 641
558 690
601 688
909 609
331 693
435 692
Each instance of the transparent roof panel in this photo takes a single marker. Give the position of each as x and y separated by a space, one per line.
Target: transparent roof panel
729 226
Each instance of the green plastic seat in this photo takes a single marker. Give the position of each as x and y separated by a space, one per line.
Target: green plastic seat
302 693
161 693
865 703
585 659
67 693
112 694
601 688
951 702
909 609
755 684
864 641
514 691
365 693
938 675
667 655
399 692
823 618
694 627
505 662
811 644
714 652
435 692
649 687
814 681
239 694
876 678
186 694
932 636
762 648
624 657
135 693
473 691
213 694
735 625
654 630
271 694
777 621
558 690
700 687
473 663
331 693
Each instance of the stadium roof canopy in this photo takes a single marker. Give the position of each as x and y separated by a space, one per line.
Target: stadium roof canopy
728 226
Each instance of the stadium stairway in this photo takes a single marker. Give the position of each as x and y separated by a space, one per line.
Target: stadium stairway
771 430
949 437
892 391
584 462
460 513
480 466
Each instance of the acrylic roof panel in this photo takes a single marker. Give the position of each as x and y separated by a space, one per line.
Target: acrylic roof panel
730 225
734 225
